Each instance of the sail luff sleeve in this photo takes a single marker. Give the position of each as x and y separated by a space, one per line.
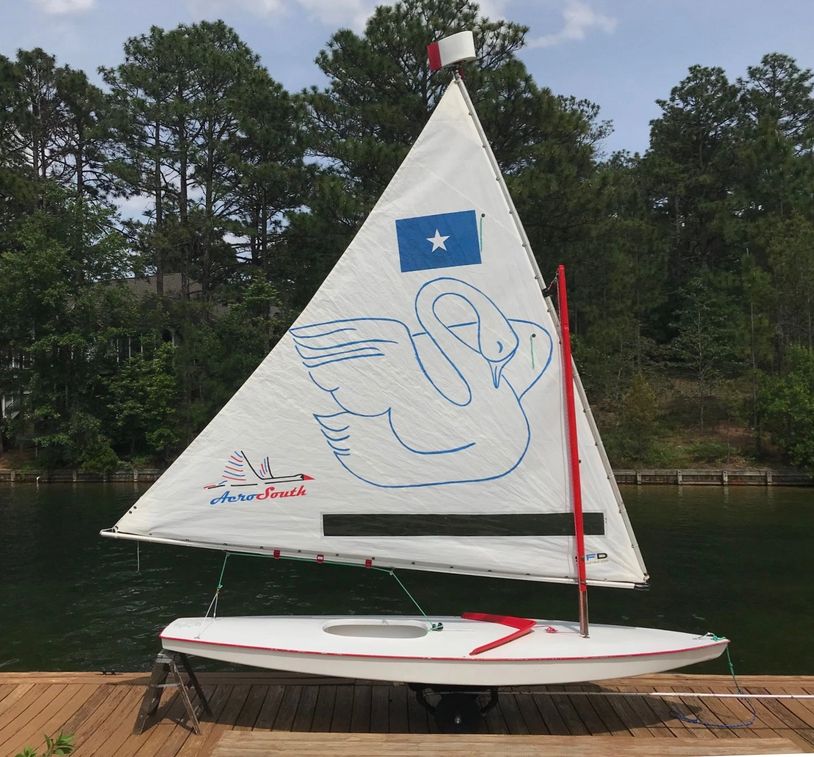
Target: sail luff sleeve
586 408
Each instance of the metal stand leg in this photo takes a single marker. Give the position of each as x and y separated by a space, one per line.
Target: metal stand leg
166 666
193 679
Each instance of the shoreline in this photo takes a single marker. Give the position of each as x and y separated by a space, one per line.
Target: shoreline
638 477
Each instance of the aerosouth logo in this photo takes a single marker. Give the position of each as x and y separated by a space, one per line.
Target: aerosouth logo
244 481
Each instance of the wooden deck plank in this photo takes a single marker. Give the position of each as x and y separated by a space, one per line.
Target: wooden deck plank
495 722
665 709
614 725
247 717
688 708
173 727
225 721
177 732
745 710
343 709
288 708
167 736
49 720
629 711
236 743
218 701
530 714
379 709
515 722
85 728
5 690
361 717
786 711
113 732
101 712
418 719
398 709
573 721
586 712
801 709
27 708
271 706
324 709
305 709
731 714
765 715
661 716
14 696
551 715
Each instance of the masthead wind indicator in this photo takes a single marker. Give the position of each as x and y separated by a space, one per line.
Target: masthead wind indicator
456 48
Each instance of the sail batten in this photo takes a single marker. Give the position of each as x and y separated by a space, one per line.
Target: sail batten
412 416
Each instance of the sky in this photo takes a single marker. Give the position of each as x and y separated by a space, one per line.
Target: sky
621 54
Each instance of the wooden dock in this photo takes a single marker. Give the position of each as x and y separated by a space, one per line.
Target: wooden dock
670 476
275 713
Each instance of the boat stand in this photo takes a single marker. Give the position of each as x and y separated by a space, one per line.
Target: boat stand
459 708
166 666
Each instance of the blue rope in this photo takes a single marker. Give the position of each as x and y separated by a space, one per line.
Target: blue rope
746 703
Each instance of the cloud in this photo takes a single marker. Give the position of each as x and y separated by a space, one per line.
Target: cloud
217 7
333 13
64 7
493 9
352 13
578 19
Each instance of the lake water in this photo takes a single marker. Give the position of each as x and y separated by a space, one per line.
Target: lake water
732 561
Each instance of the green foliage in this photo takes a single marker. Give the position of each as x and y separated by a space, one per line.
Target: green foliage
143 400
57 320
633 438
62 744
710 452
214 356
787 407
710 333
690 267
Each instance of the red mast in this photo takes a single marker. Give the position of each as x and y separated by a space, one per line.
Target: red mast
573 449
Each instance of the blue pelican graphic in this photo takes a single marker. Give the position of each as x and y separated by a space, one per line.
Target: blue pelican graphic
443 405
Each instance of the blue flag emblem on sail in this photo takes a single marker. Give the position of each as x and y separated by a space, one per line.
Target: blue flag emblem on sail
445 240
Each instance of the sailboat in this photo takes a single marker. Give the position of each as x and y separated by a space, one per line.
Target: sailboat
422 413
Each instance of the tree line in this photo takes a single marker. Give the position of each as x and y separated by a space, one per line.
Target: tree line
691 266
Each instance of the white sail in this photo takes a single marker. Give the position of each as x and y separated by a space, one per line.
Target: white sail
413 415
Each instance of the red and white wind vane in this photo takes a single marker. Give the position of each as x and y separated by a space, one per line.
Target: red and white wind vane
457 48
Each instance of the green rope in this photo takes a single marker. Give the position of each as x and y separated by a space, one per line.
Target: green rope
222 571
412 598
748 705
213 606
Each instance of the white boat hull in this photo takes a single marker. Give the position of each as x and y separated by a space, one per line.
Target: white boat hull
398 648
